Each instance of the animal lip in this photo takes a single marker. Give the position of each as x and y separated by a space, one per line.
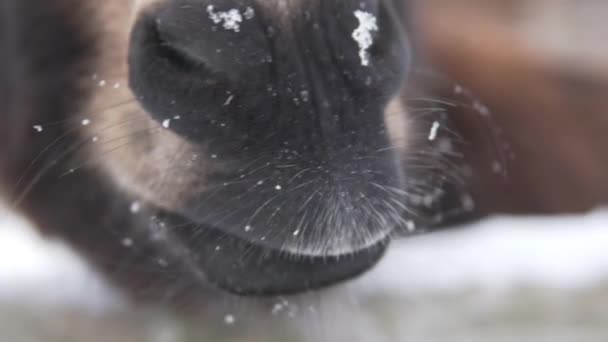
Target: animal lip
245 268
304 210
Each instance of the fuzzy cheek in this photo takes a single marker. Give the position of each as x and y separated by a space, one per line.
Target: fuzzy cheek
396 120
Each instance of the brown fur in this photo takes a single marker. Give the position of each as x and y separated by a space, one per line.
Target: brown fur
550 114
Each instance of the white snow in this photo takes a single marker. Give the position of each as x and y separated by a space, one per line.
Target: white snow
229 100
127 242
135 207
410 226
229 319
434 131
46 272
497 254
363 34
38 128
249 13
231 20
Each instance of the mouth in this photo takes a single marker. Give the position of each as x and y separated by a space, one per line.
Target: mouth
244 267
287 234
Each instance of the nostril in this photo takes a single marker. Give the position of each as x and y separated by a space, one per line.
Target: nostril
172 75
184 62
176 51
178 56
150 47
225 37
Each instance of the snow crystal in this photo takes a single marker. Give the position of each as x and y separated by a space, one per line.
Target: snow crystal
167 123
248 228
277 308
481 108
231 19
434 130
249 13
497 167
278 187
86 122
38 128
229 319
229 100
135 207
468 203
363 34
410 226
127 242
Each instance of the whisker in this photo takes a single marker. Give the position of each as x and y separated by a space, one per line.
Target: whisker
433 100
94 113
47 148
43 170
103 154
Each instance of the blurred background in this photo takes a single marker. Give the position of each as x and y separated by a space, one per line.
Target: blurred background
508 278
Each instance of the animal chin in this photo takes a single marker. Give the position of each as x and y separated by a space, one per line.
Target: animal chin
245 267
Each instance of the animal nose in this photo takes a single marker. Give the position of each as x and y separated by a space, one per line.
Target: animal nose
237 73
300 172
189 59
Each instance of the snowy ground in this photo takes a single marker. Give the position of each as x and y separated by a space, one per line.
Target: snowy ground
506 279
